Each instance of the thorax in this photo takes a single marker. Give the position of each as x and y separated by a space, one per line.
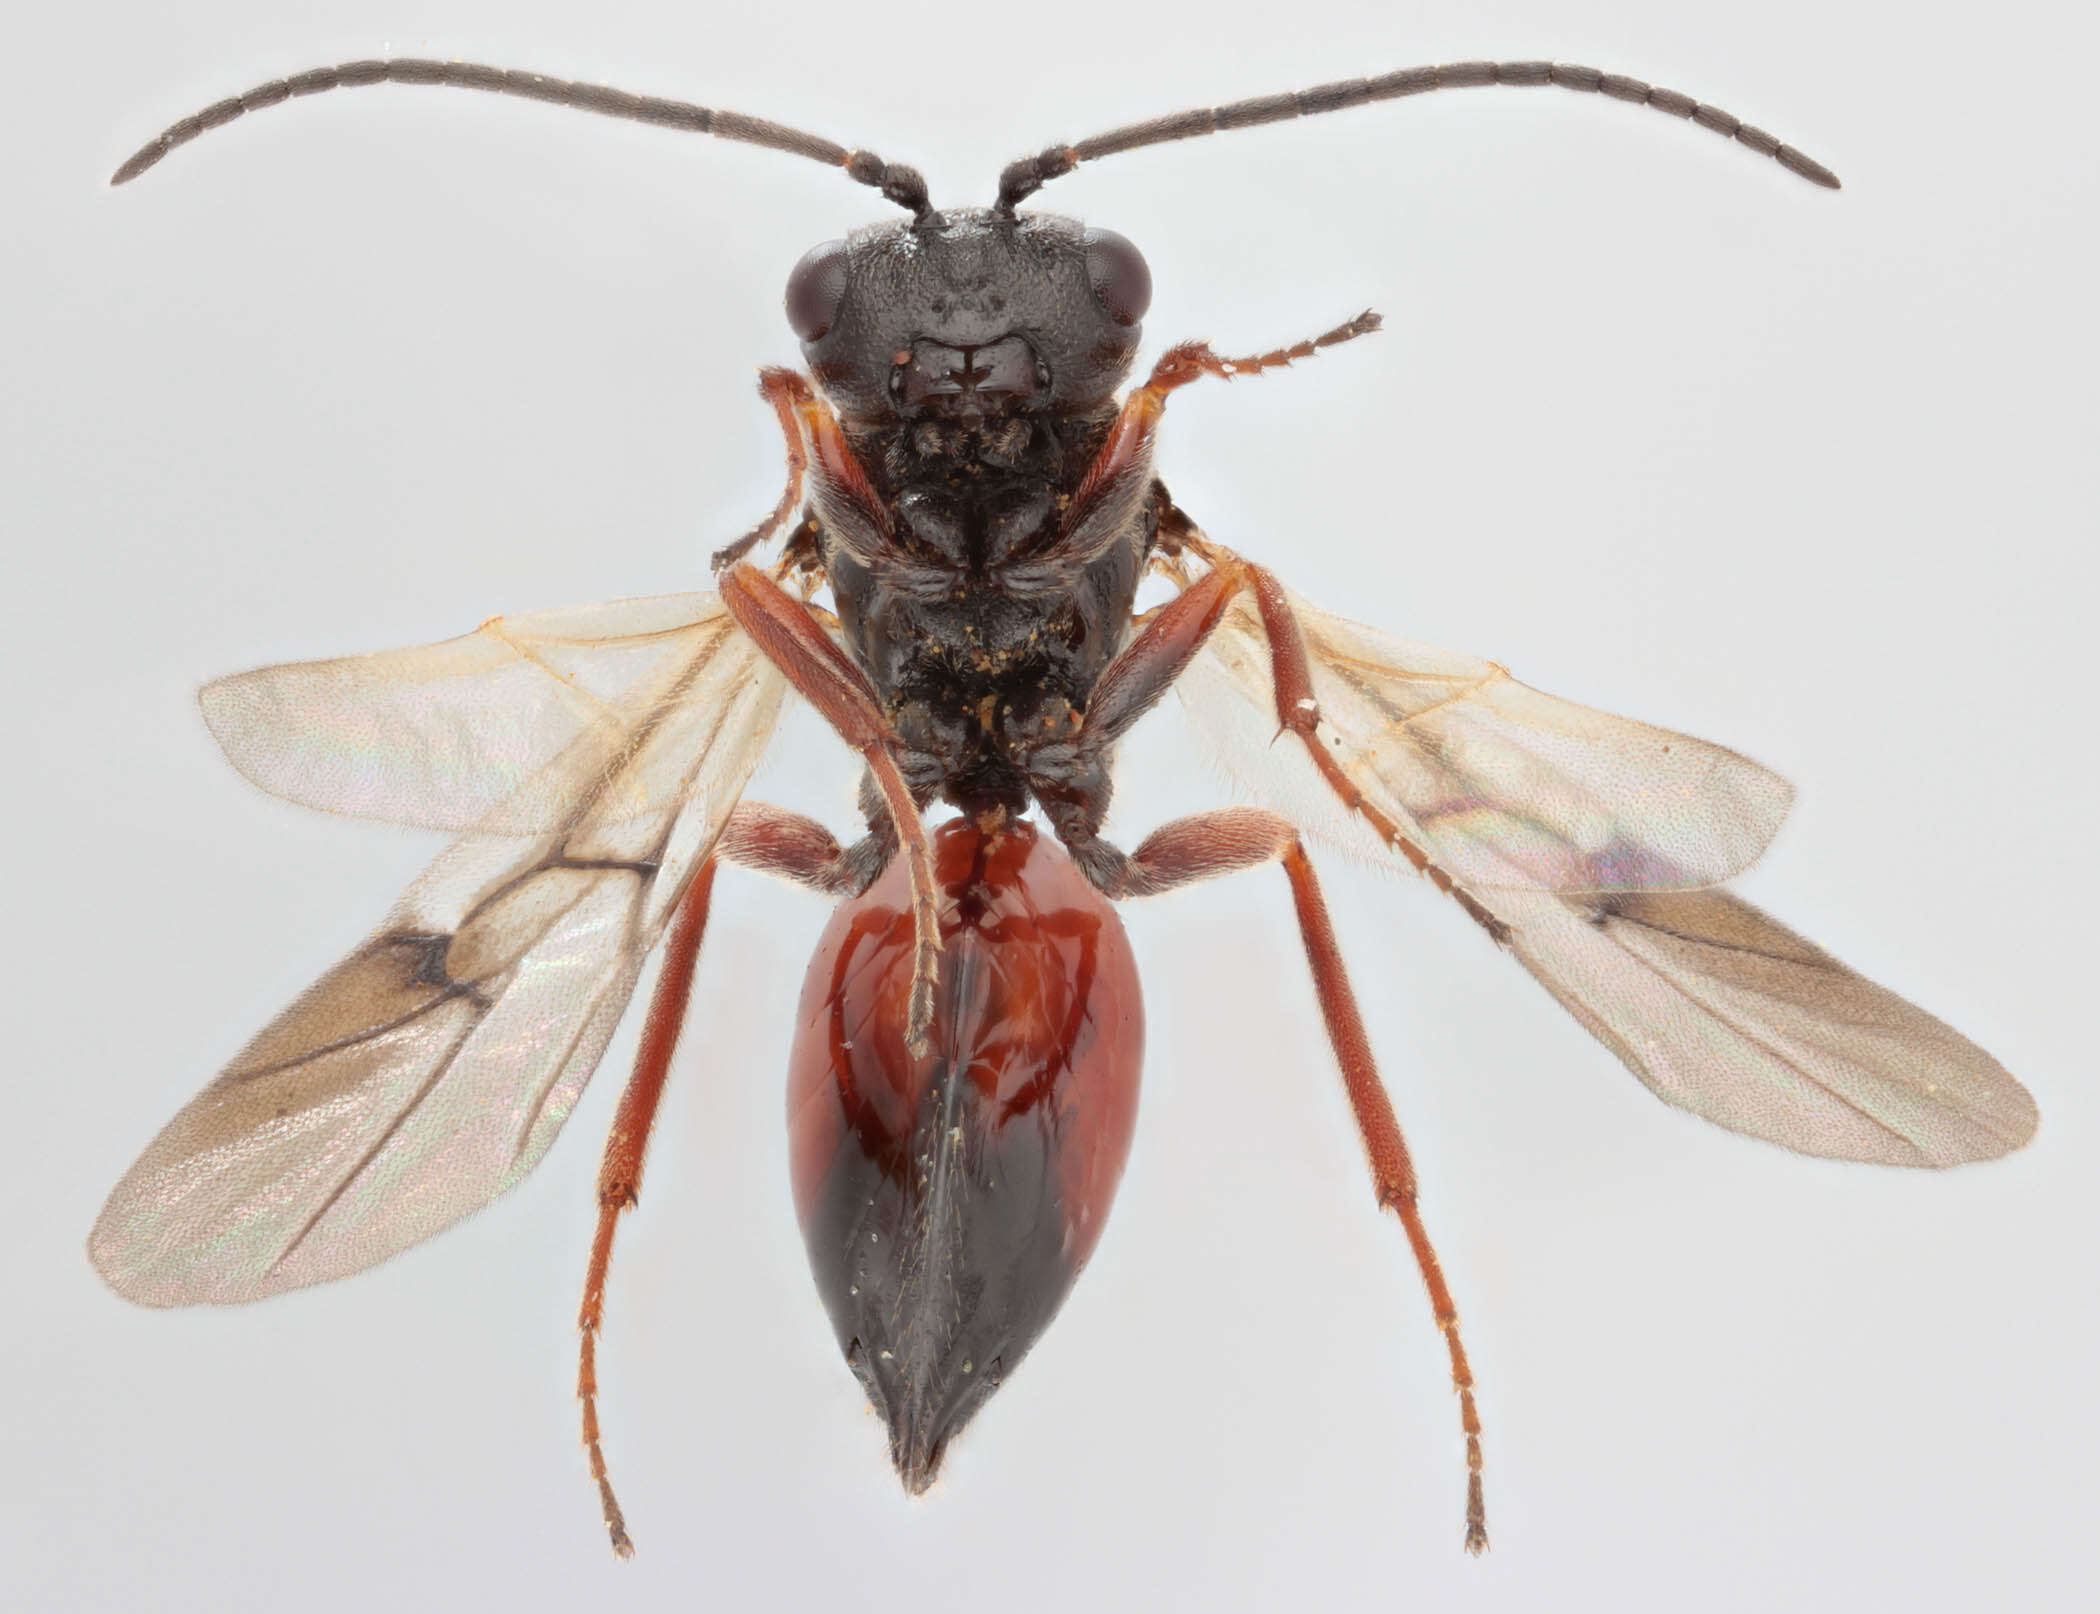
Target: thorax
979 628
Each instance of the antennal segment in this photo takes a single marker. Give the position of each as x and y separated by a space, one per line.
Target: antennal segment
899 184
1024 178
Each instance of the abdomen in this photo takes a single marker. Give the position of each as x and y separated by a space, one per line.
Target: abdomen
950 1200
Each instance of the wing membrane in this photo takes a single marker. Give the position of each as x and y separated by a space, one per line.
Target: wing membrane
431 1069
1721 1010
1596 840
1505 787
499 730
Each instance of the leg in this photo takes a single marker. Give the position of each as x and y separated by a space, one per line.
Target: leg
1211 844
1191 361
620 1174
1119 479
774 841
795 642
756 836
785 391
1145 669
859 522
1121 471
1298 710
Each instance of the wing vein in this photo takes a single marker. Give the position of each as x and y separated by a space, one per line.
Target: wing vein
458 989
1368 689
643 732
437 1074
1758 1041
590 769
596 704
581 1029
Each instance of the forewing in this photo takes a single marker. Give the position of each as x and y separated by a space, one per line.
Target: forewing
502 730
1723 1011
431 1069
1589 838
1505 788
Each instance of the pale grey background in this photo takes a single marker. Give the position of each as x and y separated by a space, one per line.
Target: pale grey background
1664 428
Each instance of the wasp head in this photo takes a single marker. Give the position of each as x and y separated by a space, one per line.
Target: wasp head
980 315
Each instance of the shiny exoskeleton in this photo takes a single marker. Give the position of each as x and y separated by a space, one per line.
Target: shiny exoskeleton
949 1197
982 506
973 366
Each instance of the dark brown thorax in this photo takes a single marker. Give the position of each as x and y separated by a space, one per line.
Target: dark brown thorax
971 362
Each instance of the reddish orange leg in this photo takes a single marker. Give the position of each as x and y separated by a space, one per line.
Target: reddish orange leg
1147 666
811 433
1158 653
1392 1168
757 836
795 642
1211 844
620 1173
1145 669
787 392
1122 468
1181 365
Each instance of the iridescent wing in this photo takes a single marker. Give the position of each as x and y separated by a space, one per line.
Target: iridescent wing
1505 787
431 1069
502 731
1596 841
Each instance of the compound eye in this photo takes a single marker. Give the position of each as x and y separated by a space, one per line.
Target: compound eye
816 287
1116 269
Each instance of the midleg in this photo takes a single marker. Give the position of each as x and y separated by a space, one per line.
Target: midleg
1298 710
1210 844
1145 669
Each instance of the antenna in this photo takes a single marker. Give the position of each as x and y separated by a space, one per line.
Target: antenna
900 184
1023 179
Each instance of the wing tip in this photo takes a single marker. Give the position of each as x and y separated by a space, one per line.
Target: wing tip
2019 1127
222 705
105 1253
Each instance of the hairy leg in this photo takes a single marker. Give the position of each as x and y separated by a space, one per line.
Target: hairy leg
792 638
1211 844
787 392
757 836
1071 778
1120 476
620 1173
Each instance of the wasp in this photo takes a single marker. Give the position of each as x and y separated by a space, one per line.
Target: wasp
972 487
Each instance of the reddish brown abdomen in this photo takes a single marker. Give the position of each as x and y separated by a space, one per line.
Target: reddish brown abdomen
950 1200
